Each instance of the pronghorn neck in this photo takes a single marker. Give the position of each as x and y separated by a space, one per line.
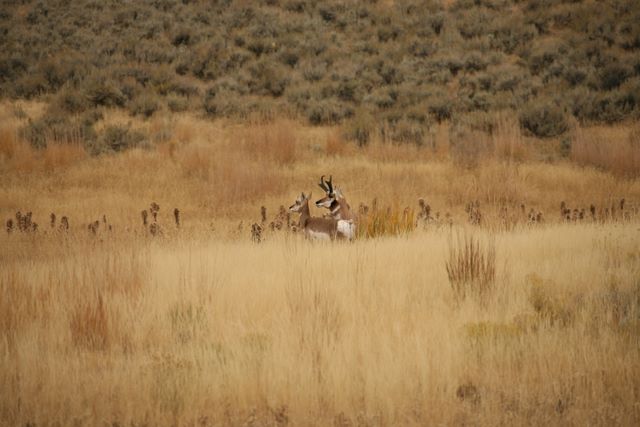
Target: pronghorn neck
304 214
340 209
335 209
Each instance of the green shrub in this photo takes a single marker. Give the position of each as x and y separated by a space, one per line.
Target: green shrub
313 70
609 107
576 75
268 79
441 107
405 131
103 92
182 88
117 138
177 103
70 101
473 22
183 37
30 86
512 34
289 57
327 111
323 59
144 105
381 98
544 119
224 103
12 66
59 127
613 75
545 53
360 127
348 90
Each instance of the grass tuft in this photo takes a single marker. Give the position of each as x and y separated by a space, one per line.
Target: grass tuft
471 267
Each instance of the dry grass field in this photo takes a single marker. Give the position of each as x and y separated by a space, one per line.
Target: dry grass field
476 316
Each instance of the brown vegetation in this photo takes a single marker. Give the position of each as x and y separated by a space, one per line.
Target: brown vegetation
144 296
385 69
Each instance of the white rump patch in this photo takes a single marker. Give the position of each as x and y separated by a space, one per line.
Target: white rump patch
347 228
317 235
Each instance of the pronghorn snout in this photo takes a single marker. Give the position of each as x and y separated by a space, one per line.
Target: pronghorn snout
325 202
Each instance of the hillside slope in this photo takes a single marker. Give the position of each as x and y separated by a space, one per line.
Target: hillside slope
404 64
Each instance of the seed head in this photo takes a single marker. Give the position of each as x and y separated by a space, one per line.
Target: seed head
256 232
155 208
176 216
154 229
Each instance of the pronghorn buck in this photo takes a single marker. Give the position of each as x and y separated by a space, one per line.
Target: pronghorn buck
315 228
340 210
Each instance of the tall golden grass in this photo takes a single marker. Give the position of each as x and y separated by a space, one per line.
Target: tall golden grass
612 149
228 332
201 326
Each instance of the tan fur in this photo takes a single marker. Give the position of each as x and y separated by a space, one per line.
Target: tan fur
314 227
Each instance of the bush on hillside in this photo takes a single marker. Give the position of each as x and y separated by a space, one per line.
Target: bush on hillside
544 119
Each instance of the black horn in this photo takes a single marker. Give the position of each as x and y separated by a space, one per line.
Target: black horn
323 185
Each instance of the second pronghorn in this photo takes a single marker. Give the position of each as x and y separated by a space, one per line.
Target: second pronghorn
338 207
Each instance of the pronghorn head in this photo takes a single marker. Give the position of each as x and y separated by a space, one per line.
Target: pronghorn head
300 202
330 197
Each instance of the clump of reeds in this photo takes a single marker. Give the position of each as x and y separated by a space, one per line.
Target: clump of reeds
565 213
64 224
176 217
471 267
535 216
145 216
473 212
509 218
282 221
385 222
468 392
53 220
23 223
154 209
263 214
424 214
93 227
548 307
154 229
617 211
256 232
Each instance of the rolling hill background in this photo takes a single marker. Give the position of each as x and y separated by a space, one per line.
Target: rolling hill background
378 67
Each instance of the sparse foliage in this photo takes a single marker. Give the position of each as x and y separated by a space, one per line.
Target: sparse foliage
471 267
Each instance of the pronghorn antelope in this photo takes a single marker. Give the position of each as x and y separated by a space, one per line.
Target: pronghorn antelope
315 228
338 207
